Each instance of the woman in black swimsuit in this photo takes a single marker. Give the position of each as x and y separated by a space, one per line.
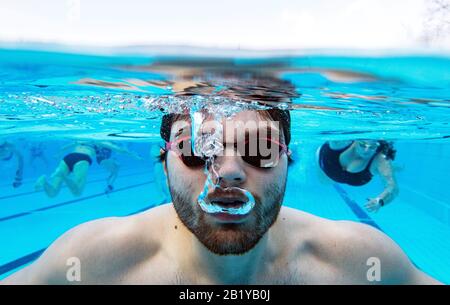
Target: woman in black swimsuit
355 162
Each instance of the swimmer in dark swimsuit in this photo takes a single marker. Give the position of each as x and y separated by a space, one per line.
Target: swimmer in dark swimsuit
73 168
355 163
7 152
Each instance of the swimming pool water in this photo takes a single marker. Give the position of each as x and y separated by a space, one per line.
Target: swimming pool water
55 98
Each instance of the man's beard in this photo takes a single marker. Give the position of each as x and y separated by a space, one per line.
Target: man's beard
231 238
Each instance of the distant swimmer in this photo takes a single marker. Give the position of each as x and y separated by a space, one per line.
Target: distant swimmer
8 152
73 169
356 162
36 152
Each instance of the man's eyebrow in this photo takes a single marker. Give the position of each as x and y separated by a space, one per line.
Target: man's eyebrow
180 131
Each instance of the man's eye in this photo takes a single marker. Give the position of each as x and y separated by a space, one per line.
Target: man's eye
184 144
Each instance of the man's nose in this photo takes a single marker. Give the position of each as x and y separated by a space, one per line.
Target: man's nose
230 171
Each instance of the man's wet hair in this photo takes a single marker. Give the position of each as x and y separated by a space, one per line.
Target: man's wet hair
283 117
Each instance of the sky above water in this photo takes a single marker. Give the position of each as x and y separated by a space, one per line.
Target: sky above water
254 24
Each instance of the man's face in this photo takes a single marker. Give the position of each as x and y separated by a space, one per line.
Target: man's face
267 185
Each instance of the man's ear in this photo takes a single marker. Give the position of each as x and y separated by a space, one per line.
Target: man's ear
164 163
289 156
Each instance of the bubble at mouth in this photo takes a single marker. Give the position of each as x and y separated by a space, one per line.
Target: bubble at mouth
233 208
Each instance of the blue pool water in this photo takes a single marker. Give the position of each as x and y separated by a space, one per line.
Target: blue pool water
50 99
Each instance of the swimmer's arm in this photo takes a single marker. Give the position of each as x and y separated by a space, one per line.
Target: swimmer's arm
19 170
339 144
385 169
120 150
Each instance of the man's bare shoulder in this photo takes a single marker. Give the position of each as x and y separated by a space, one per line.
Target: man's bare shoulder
346 249
329 234
102 247
118 235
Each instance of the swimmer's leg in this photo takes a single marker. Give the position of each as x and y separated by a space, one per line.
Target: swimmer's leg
77 181
53 187
113 168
